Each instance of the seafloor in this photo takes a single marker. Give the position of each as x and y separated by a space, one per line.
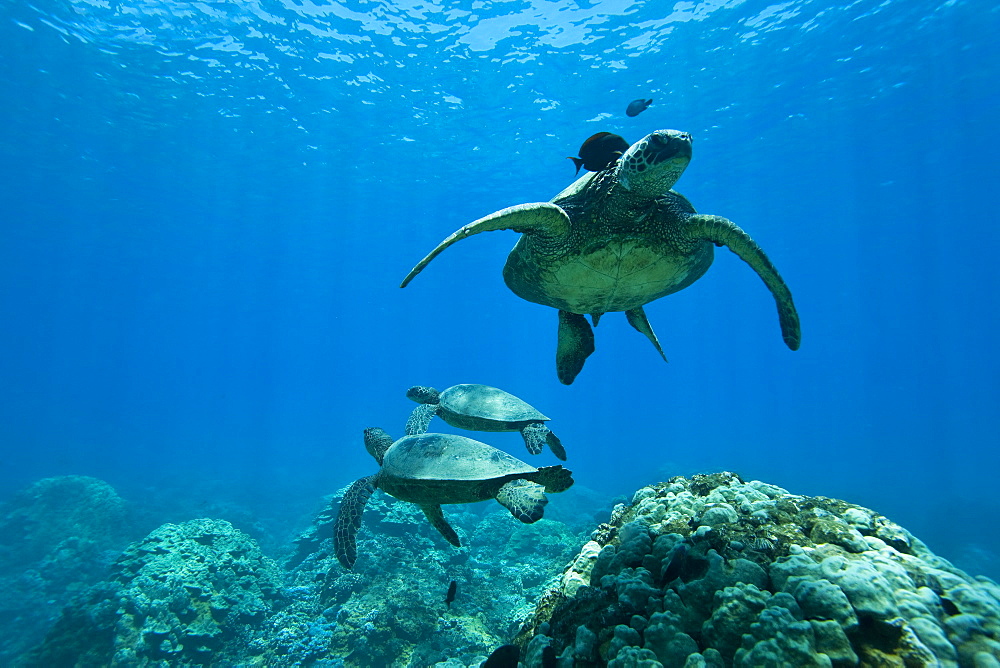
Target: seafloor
701 571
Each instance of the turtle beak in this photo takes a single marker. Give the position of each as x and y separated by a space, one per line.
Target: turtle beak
668 144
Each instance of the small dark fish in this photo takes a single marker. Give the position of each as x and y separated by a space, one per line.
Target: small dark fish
504 656
676 564
600 151
549 657
636 107
452 588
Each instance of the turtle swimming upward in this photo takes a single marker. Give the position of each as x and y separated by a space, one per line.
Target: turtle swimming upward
482 408
615 240
434 469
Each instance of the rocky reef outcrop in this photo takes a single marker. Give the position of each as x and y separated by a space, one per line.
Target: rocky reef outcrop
188 594
706 571
714 571
390 609
202 593
57 536
37 520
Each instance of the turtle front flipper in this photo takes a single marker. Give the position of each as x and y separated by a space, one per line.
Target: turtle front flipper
538 218
637 318
536 436
420 419
345 531
524 499
436 517
575 344
723 232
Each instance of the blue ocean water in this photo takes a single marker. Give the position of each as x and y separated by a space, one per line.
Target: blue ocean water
207 208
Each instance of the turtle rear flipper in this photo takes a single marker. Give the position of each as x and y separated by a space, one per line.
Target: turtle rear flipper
537 436
555 445
724 232
436 517
524 499
554 478
420 419
574 345
352 507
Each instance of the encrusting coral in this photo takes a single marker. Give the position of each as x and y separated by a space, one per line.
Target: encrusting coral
715 571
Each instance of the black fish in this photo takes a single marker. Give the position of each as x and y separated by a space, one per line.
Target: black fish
600 151
452 588
549 657
504 656
673 569
636 107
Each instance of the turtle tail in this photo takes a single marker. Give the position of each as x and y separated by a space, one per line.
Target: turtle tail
554 478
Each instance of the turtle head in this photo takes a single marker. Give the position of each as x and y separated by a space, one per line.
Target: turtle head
423 395
652 165
377 442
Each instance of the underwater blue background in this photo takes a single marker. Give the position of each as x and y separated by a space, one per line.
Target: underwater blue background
207 207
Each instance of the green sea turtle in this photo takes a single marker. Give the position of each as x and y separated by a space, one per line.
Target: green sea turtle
482 408
615 240
433 469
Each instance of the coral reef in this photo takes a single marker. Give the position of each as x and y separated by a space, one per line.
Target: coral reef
714 571
390 609
202 593
57 536
709 571
187 594
37 519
